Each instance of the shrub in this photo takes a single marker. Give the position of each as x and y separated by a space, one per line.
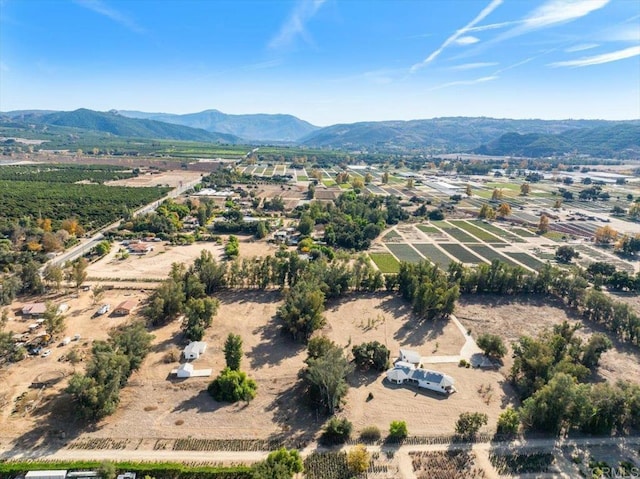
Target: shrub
463 363
398 430
358 459
172 355
370 434
336 431
508 422
469 423
232 386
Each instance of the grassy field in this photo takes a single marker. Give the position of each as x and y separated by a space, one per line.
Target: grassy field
428 229
461 254
478 232
392 236
500 233
386 262
527 260
490 254
404 252
433 254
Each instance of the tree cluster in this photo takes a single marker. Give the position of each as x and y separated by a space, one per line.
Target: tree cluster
97 392
233 385
325 374
373 355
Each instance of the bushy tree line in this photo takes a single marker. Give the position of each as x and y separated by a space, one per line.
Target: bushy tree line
97 392
602 273
432 294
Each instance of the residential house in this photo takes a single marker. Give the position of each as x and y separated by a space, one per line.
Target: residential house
404 372
34 310
194 349
140 248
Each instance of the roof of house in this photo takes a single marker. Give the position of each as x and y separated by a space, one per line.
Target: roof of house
129 304
139 247
426 375
412 356
197 347
34 308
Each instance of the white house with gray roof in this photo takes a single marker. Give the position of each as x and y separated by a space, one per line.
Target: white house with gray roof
404 372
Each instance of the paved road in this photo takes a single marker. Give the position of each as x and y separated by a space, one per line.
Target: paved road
87 244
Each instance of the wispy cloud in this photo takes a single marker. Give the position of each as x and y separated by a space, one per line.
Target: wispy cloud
459 33
581 47
465 82
550 14
600 59
473 66
99 7
296 25
467 40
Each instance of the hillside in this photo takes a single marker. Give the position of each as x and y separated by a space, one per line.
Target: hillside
257 127
620 140
439 134
115 124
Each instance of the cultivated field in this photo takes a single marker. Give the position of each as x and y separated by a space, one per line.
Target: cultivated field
173 178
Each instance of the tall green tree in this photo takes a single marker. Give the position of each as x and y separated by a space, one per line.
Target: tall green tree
233 351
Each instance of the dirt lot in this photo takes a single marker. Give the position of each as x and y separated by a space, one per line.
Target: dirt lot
514 317
171 178
154 405
156 264
17 378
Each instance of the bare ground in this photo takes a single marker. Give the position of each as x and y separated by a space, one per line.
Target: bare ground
511 318
154 405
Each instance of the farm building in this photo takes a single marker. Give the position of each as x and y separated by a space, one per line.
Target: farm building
34 310
194 349
404 372
52 474
140 248
186 371
125 308
409 356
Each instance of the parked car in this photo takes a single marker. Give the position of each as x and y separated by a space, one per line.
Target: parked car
76 337
103 309
46 353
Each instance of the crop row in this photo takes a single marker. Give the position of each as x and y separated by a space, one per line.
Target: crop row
522 463
99 443
63 173
192 444
445 465
327 465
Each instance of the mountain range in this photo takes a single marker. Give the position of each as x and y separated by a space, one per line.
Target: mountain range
258 127
533 138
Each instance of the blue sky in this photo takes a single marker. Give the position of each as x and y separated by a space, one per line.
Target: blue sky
325 61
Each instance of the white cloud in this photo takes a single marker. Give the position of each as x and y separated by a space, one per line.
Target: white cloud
465 82
467 40
560 11
549 14
600 59
473 66
101 8
296 24
459 33
581 47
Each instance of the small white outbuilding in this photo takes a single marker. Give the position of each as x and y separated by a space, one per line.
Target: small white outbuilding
194 349
52 474
409 356
186 371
